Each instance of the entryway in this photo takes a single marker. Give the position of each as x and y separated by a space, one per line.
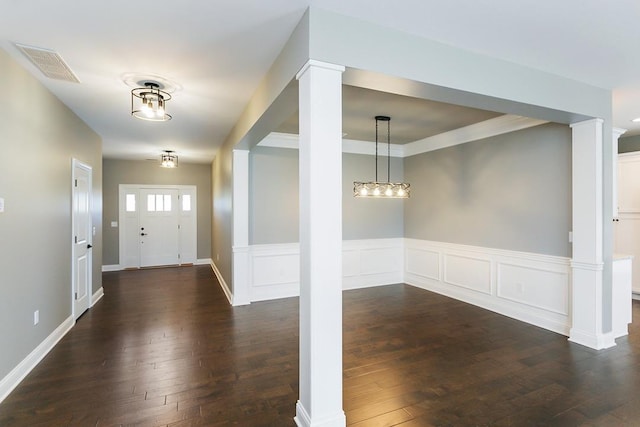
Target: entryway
158 225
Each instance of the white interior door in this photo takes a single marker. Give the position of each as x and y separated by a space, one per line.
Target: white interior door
158 227
82 238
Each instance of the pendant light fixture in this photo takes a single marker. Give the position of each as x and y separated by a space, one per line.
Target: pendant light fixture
382 190
169 159
149 102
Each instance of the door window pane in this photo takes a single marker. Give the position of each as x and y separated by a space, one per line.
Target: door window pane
159 204
167 203
186 202
130 203
151 203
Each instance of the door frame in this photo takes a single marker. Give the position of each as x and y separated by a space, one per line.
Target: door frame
123 190
75 165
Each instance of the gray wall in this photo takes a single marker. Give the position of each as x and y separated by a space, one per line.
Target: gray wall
273 196
273 205
511 191
116 172
38 138
629 144
222 221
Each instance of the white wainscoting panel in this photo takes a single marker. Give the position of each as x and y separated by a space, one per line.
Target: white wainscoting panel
275 271
275 268
468 272
537 287
371 262
423 262
530 287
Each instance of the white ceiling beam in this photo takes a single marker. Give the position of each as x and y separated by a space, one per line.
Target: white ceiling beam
488 128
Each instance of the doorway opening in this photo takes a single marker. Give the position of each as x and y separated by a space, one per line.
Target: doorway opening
158 225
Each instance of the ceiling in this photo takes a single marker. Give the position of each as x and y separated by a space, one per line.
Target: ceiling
412 119
215 53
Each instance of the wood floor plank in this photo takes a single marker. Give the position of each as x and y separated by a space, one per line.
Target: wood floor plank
164 348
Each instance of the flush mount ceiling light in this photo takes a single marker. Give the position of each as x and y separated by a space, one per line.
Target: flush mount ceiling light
149 102
169 159
382 190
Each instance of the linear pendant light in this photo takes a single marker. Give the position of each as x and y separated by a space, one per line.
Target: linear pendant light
377 189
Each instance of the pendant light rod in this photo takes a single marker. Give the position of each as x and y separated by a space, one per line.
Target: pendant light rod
388 120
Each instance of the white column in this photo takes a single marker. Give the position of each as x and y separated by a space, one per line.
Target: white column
617 132
241 274
587 262
320 117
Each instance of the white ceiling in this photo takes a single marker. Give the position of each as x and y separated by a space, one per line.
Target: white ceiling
217 51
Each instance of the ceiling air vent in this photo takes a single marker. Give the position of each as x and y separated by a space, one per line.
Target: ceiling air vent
49 62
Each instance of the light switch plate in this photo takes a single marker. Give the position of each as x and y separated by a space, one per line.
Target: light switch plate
1 204
114 224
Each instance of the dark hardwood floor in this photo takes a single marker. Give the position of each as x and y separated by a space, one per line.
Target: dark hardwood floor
164 348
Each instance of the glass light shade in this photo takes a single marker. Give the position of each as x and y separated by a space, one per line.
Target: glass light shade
169 160
149 103
382 190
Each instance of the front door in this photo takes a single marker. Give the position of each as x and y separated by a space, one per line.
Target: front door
82 238
158 227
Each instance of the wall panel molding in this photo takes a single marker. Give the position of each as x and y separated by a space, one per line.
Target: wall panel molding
274 269
533 288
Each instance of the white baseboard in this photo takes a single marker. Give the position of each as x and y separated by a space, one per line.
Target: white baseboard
13 378
118 267
223 284
97 296
529 287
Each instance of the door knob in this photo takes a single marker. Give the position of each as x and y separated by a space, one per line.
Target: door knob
89 246
143 234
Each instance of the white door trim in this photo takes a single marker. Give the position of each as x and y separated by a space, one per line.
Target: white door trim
124 189
76 164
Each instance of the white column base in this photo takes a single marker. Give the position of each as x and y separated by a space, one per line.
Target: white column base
591 340
586 326
241 276
303 419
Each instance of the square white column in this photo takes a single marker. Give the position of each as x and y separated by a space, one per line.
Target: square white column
240 247
320 151
588 263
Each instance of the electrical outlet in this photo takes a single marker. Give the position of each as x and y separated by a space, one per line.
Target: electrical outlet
217 257
36 317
